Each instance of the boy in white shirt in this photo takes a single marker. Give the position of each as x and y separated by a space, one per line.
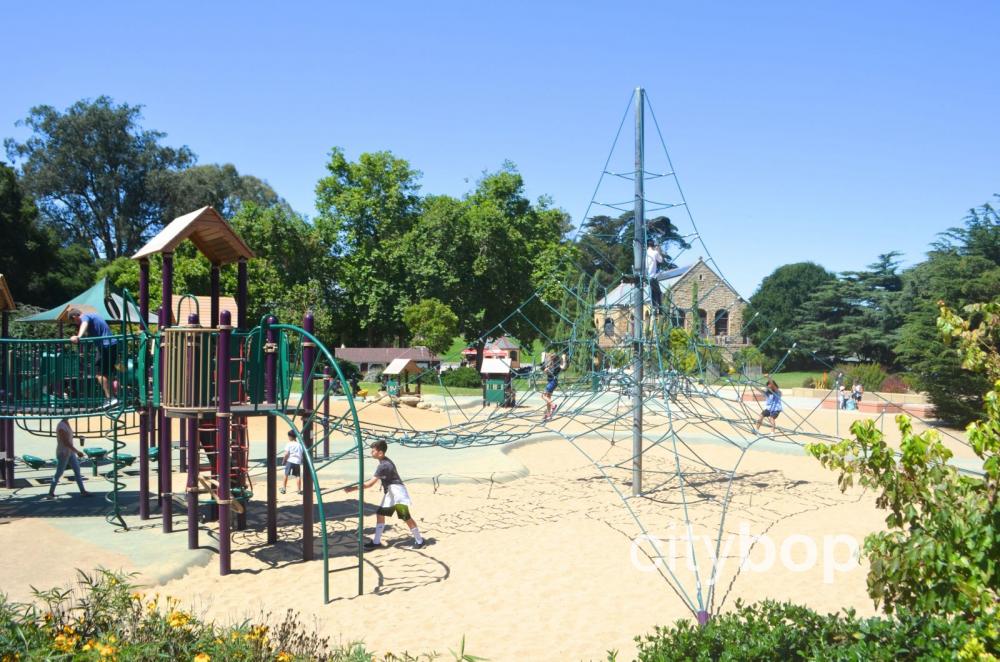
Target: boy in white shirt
654 258
293 461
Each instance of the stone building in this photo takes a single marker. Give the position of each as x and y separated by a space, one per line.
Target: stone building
719 314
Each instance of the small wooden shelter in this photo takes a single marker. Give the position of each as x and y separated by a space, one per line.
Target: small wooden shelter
397 376
498 389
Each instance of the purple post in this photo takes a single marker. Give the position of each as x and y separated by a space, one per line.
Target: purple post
192 482
6 435
165 470
326 411
270 396
703 617
308 357
222 438
213 320
241 294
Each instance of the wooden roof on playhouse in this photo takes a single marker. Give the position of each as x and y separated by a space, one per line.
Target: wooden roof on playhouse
6 300
207 230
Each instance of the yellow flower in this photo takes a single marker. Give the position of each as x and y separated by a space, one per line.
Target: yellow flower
89 645
65 642
106 650
137 596
178 619
283 657
202 657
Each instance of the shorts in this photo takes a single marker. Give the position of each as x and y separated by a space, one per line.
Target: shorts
107 359
396 500
551 386
771 414
401 510
293 469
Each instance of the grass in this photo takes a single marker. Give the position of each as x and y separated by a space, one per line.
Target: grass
795 379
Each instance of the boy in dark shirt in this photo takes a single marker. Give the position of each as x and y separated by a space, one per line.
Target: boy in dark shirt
394 500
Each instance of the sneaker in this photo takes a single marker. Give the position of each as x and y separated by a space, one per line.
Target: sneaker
86 494
111 402
417 545
372 545
282 490
50 495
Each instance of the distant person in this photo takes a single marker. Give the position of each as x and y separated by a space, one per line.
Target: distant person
856 394
842 397
66 453
92 325
654 258
553 365
772 405
293 462
395 497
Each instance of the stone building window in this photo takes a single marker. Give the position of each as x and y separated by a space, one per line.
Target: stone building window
677 318
702 322
722 322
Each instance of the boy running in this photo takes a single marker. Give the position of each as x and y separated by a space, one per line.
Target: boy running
394 500
293 462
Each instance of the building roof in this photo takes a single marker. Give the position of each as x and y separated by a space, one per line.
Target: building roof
92 300
497 346
400 366
384 355
207 230
495 367
6 300
622 293
204 308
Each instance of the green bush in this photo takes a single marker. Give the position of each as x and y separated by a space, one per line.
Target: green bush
783 631
871 375
462 377
809 382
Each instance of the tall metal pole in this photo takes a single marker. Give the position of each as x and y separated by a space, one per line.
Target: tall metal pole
192 461
639 258
270 396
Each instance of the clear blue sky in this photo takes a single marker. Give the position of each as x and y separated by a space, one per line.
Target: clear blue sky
823 131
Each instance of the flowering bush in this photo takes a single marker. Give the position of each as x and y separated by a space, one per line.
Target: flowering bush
108 619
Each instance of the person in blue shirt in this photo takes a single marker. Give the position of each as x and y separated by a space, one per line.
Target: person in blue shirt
772 406
92 325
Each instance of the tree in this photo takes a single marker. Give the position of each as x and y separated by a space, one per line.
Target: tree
365 208
37 268
509 234
774 314
606 244
857 315
96 174
960 269
220 186
939 554
432 324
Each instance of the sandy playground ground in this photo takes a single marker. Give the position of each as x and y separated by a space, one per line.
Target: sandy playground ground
531 553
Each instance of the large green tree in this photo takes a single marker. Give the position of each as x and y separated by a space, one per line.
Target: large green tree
220 186
606 245
962 267
38 269
96 173
774 315
365 208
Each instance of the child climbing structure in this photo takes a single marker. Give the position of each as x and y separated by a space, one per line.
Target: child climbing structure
206 372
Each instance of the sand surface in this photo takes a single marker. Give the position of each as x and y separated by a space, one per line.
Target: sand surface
532 554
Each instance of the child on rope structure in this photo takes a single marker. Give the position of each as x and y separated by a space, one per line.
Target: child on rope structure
293 462
553 365
772 406
66 453
395 498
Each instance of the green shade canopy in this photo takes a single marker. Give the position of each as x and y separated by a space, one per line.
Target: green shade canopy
93 300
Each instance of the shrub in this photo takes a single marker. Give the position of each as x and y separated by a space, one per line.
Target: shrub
894 384
784 631
808 382
465 377
871 375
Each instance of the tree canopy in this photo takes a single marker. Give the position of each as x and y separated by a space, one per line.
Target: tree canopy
96 174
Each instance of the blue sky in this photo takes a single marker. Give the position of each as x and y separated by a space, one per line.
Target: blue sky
823 131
